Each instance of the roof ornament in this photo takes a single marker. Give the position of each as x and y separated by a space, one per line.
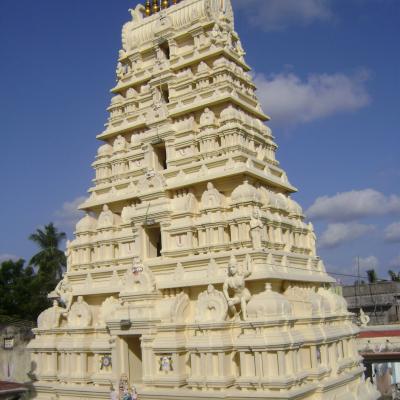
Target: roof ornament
155 7
147 8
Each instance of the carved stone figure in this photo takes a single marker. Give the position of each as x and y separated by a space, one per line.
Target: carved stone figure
139 279
106 217
166 364
363 318
119 71
235 284
211 306
50 318
151 180
107 309
137 13
119 143
179 273
269 304
63 291
207 118
80 315
256 228
211 197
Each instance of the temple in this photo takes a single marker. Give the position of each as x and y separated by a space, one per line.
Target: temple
193 274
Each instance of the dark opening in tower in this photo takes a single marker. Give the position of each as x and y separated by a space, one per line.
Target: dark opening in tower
164 46
153 241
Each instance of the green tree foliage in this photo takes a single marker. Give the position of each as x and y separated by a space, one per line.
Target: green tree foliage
23 289
395 277
50 260
372 276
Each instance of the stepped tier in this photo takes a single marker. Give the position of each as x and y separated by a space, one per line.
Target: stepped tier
193 274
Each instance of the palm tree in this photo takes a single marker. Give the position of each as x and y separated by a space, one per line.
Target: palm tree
50 260
393 276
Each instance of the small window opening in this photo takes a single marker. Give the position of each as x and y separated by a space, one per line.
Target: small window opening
160 153
164 46
165 93
153 241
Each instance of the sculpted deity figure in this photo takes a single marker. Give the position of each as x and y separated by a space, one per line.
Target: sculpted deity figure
68 253
236 284
120 71
80 315
211 197
106 217
256 227
50 318
63 291
119 143
137 13
207 118
239 49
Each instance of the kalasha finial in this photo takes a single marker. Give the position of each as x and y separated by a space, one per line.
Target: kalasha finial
156 7
148 8
164 4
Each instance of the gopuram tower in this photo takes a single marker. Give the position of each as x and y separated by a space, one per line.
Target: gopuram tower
193 274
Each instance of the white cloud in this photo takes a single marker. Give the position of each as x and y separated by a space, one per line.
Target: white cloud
273 15
6 257
392 233
289 100
69 214
337 234
366 263
395 263
348 206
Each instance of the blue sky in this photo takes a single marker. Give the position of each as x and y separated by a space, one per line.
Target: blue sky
328 75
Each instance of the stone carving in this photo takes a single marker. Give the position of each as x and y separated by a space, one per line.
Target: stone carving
119 71
212 269
151 180
126 213
80 315
139 280
211 306
338 303
179 273
180 308
256 230
363 319
119 143
211 197
50 318
137 13
235 284
174 308
131 92
203 67
106 218
63 291
207 118
107 309
166 364
268 304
